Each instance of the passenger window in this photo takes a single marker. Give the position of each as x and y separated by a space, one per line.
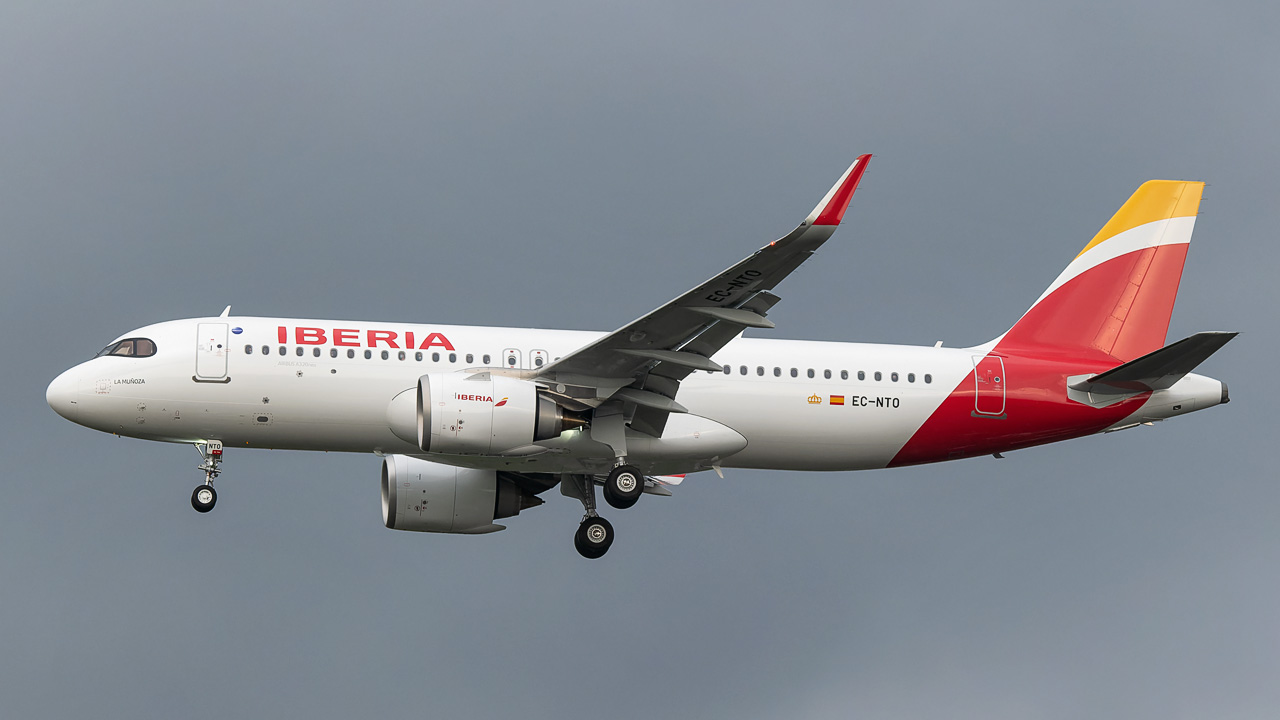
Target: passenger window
928 378
284 350
742 370
300 351
453 357
435 357
315 352
911 377
537 362
351 354
826 374
811 373
368 354
844 374
893 377
726 369
760 370
794 372
862 375
470 358
877 375
386 355
266 350
248 349
511 361
417 356
333 352
400 355
777 372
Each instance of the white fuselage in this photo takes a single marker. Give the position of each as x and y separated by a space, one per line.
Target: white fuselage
800 405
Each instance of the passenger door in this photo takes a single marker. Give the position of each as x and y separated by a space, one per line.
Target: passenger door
211 351
988 377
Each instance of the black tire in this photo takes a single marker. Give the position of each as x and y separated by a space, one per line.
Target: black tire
623 486
593 538
204 504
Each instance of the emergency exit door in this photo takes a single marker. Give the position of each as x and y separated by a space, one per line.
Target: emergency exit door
211 351
989 381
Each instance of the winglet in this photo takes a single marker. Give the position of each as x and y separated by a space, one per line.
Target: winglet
831 210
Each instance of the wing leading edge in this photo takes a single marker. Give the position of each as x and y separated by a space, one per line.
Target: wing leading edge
648 357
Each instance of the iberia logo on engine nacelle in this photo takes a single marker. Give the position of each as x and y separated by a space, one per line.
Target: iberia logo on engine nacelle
480 398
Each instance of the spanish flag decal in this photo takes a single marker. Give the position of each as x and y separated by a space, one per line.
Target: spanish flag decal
837 399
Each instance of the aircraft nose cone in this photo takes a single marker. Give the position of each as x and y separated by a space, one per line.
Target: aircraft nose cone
61 394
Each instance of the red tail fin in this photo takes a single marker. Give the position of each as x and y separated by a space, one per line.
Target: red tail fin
1116 297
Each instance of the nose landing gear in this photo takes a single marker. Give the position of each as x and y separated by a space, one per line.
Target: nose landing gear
204 497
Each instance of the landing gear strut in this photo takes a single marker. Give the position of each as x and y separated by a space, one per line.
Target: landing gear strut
595 534
204 497
623 486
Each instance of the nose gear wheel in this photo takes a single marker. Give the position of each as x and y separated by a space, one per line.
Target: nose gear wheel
203 498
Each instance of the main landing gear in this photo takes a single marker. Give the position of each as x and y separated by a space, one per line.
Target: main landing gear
595 534
204 497
593 538
623 486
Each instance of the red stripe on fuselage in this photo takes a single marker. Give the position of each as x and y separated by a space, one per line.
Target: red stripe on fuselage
1108 315
1037 411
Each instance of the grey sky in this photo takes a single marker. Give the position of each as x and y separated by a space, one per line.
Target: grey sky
575 165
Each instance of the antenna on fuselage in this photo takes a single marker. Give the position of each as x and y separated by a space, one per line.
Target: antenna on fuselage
226 312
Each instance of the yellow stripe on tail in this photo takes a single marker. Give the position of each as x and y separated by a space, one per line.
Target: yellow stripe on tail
1153 200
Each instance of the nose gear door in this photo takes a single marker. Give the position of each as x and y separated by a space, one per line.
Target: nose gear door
211 351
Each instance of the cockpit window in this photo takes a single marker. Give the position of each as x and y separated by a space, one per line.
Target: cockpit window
130 347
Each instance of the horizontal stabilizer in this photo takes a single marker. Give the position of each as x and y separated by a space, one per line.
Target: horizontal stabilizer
1157 370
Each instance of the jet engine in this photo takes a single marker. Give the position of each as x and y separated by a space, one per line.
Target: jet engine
424 496
485 414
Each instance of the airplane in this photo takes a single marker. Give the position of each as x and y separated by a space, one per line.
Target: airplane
474 424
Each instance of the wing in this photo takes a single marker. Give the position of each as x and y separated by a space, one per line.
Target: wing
642 363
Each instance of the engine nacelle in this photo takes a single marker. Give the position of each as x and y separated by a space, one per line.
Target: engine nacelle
483 414
424 496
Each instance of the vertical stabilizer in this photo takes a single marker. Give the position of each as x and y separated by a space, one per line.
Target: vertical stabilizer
1116 297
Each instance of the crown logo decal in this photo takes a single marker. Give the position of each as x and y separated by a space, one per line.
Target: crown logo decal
815 399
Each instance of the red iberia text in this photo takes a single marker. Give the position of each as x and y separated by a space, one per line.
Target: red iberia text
354 337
